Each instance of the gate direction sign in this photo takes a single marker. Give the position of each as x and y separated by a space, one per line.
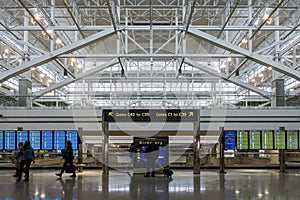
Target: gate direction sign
150 115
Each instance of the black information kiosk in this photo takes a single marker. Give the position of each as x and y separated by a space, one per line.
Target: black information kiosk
149 116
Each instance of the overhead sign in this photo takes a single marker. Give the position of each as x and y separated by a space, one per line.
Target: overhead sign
147 115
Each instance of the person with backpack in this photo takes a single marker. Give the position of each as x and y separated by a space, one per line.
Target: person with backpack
27 156
67 154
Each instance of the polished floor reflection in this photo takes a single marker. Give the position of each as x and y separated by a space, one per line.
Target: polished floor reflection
235 184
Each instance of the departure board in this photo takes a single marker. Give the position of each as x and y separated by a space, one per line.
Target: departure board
243 139
59 140
22 136
230 140
47 140
9 140
254 139
292 140
35 139
267 140
279 139
1 140
73 137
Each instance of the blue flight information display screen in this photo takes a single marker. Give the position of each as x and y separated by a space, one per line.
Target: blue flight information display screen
9 140
22 136
73 137
59 140
1 140
47 140
35 139
230 140
162 157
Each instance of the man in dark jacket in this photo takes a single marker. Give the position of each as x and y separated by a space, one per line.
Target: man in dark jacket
67 154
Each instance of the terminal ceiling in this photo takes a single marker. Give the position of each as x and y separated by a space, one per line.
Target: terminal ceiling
149 53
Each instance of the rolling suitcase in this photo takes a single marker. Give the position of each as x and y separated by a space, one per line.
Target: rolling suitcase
168 172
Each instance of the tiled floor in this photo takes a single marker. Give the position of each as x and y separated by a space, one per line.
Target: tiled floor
235 184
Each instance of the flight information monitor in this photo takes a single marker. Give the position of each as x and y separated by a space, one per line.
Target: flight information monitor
35 139
243 139
292 139
279 139
59 140
9 140
73 137
230 140
47 140
1 140
22 136
254 139
162 157
267 140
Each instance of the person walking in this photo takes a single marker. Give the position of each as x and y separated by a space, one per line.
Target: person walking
27 156
17 159
67 154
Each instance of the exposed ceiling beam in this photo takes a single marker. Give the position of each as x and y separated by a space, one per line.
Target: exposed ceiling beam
6 92
223 76
228 18
154 27
263 60
73 18
71 80
189 13
33 17
269 16
52 55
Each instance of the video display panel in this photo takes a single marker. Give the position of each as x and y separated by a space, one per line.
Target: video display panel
72 135
292 139
162 155
142 143
35 139
47 140
9 140
1 140
59 140
243 139
254 139
279 139
267 139
22 136
230 140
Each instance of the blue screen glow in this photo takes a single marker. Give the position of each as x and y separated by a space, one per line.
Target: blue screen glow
35 139
230 140
59 140
22 136
73 137
9 140
47 140
1 140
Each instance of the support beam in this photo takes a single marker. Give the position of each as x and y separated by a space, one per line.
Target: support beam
263 60
71 80
52 55
223 76
7 92
73 18
155 27
228 18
